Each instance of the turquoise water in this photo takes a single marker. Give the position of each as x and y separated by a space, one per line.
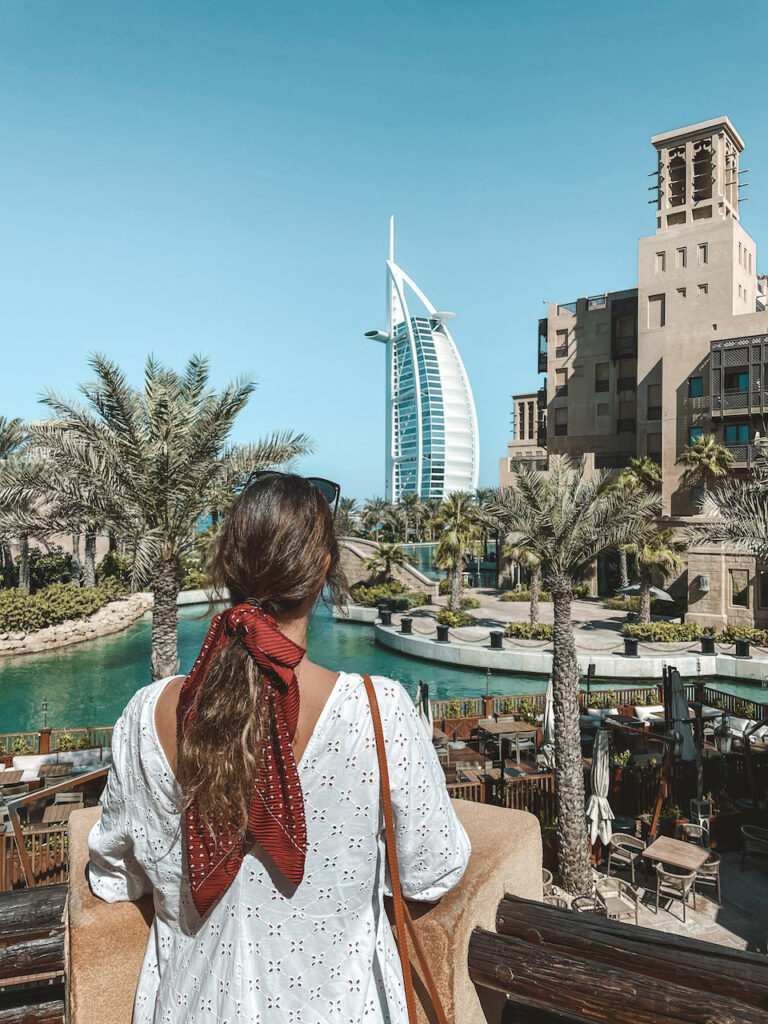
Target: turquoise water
89 684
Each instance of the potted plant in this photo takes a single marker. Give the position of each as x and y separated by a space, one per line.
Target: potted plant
670 815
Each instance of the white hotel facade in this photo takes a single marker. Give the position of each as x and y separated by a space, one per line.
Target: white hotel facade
432 445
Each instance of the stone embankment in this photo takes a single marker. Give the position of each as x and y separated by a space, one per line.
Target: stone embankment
112 618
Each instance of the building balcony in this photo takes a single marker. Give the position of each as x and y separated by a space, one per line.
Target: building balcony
625 426
561 391
740 401
561 352
744 455
542 362
561 430
612 460
541 397
541 436
623 348
626 384
739 361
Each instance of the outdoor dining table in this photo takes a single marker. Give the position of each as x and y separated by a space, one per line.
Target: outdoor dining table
687 856
56 813
508 729
10 778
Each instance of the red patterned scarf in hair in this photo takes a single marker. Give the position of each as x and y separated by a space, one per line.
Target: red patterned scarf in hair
276 813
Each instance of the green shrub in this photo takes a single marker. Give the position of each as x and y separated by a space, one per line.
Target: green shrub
622 603
528 712
455 619
396 594
67 741
670 814
444 587
602 699
525 631
195 579
114 566
644 698
26 613
509 707
758 637
469 602
667 609
581 590
663 632
743 709
623 758
524 595
20 746
47 567
454 709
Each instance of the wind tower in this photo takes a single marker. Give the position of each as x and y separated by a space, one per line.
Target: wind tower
432 445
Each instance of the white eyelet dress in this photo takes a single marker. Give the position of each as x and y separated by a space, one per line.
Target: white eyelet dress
321 952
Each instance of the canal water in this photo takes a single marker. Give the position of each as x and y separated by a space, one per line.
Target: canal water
89 684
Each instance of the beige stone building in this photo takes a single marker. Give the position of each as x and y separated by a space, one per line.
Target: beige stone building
528 442
647 370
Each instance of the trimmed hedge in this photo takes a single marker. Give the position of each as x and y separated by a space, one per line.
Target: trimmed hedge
468 602
525 631
444 587
580 591
673 632
669 609
395 593
26 613
455 619
758 637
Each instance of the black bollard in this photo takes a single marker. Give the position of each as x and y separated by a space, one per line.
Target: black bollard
742 649
405 624
707 645
442 634
630 646
386 616
496 639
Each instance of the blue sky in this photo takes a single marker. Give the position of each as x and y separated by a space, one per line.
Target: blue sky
217 177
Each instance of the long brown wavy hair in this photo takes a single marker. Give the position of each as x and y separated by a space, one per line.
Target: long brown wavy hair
272 549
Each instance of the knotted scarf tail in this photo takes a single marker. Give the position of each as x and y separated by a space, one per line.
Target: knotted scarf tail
276 819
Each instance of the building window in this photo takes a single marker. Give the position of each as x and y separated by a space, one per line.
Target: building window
694 434
737 380
561 422
680 293
737 433
653 401
654 447
661 262
697 494
561 348
702 252
695 387
750 263
656 312
561 383
703 289
739 253
602 373
739 291
763 588
681 258
739 587
602 408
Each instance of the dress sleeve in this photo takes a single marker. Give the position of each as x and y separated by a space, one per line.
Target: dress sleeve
432 846
114 874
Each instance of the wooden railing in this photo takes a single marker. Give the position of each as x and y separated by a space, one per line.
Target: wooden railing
716 697
46 741
30 740
534 793
48 852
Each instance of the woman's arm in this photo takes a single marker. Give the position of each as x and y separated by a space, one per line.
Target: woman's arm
114 874
432 847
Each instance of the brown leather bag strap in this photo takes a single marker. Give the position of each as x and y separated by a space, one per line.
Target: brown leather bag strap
403 922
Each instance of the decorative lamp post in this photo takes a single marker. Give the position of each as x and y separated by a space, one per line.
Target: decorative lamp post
723 736
45 712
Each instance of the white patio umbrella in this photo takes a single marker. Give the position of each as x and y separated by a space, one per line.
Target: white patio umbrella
548 728
599 813
424 706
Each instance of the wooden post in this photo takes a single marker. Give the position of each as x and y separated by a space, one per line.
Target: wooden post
488 707
662 791
44 741
26 866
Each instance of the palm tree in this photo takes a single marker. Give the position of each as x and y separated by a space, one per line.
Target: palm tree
148 460
736 511
11 441
656 551
387 558
641 472
412 508
346 517
567 519
707 460
374 514
528 559
460 534
430 517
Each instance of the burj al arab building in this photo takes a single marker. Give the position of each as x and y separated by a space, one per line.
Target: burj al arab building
432 446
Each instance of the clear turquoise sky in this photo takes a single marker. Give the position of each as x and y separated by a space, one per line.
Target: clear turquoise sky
217 177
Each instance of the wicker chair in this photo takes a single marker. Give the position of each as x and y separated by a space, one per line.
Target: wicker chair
546 881
680 886
709 874
617 898
755 841
556 901
692 833
625 851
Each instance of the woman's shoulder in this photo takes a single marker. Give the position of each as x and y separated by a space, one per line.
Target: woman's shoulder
140 708
392 697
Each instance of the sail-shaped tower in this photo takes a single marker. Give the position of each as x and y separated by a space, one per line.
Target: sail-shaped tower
432 446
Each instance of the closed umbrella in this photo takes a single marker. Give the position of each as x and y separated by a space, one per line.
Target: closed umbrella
424 706
599 813
548 728
680 715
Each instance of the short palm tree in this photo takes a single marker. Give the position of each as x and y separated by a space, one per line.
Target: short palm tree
346 517
412 509
387 558
567 519
374 514
707 461
656 550
641 472
148 461
459 536
11 441
736 512
530 560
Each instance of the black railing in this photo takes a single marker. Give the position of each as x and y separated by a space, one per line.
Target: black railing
625 426
561 351
626 384
541 398
602 385
561 429
654 412
566 307
561 391
596 302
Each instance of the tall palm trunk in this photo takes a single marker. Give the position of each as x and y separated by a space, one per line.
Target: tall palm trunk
166 583
645 594
90 560
24 563
77 569
573 852
457 585
623 572
535 591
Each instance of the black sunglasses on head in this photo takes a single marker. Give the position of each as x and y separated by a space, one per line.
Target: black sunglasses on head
329 490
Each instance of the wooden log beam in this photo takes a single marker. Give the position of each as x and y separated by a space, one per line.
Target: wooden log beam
703 966
39 956
541 978
51 1012
20 906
